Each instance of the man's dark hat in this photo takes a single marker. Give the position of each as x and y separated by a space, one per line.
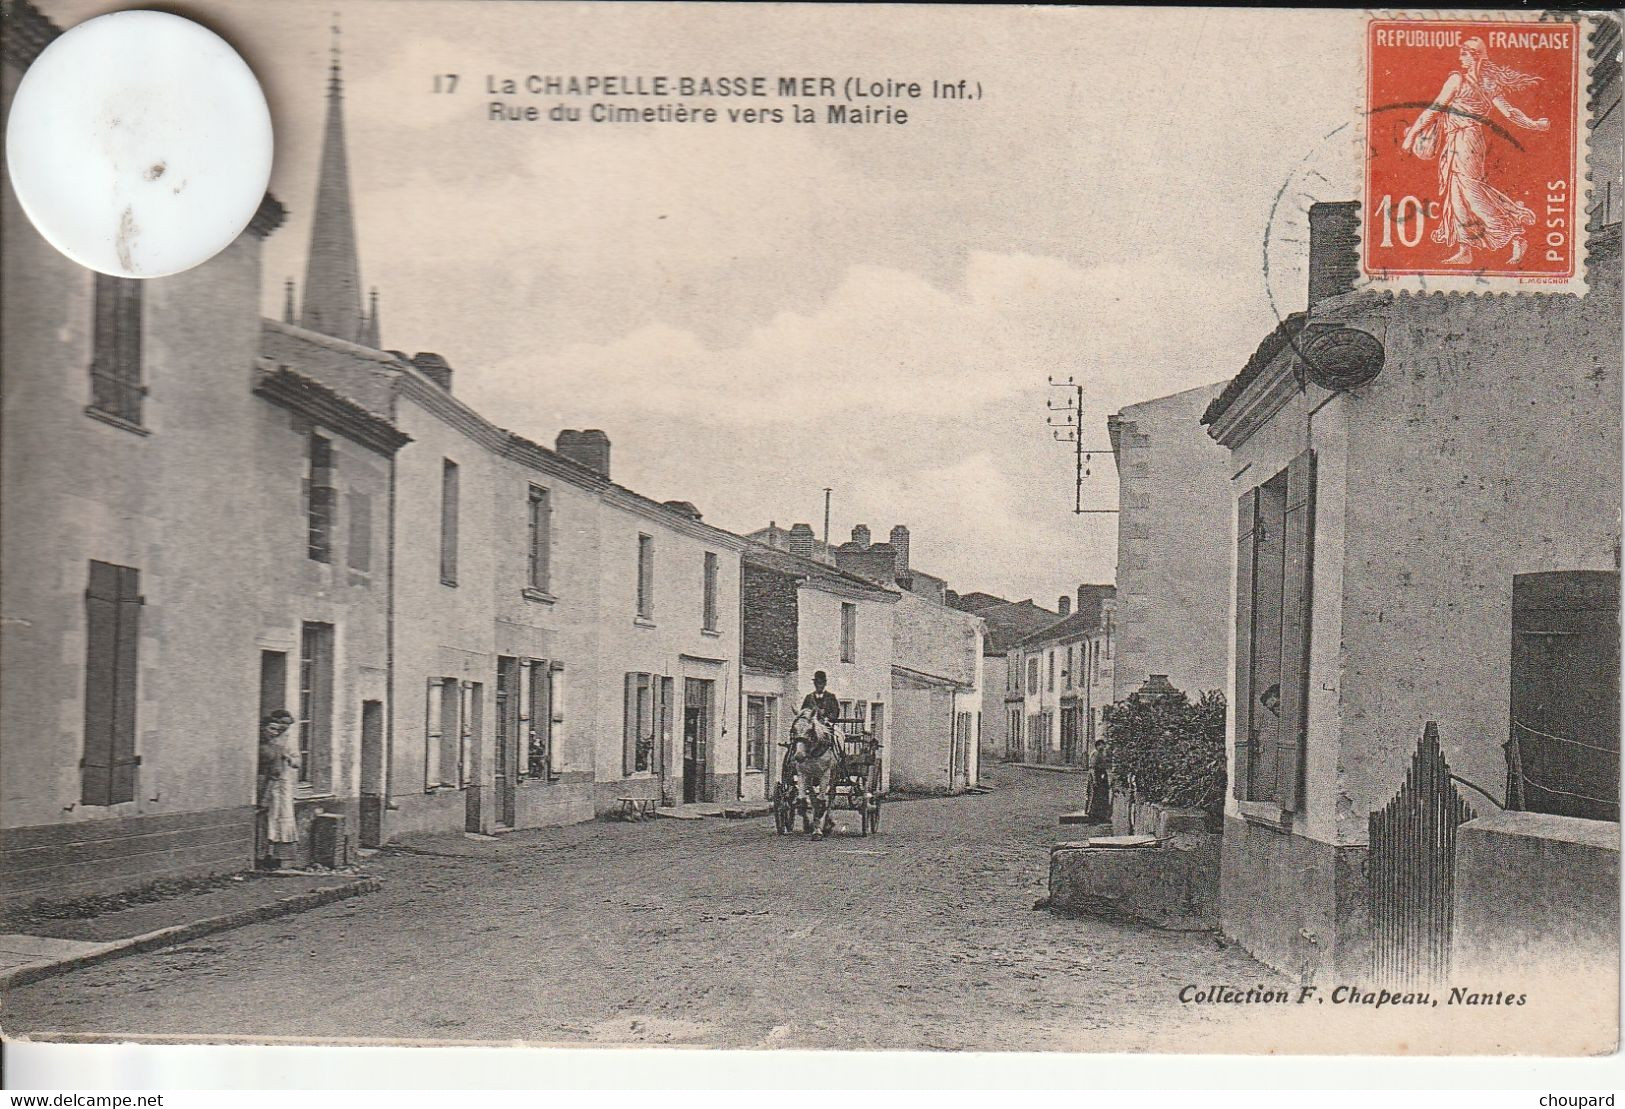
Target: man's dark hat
820 676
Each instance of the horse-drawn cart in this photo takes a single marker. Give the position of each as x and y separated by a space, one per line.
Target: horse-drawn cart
853 784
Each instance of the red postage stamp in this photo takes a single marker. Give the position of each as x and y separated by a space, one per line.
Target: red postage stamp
1475 174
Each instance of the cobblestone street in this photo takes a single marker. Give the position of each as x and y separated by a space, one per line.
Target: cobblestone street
713 932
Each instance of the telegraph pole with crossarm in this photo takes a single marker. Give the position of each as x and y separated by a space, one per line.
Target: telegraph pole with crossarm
1069 429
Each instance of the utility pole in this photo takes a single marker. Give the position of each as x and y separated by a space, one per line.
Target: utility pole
1070 430
827 492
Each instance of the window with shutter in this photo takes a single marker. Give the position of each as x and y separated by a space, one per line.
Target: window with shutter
1274 571
360 547
116 389
668 713
646 576
431 733
1299 531
539 563
629 733
555 719
510 717
316 706
113 636
320 499
708 607
448 521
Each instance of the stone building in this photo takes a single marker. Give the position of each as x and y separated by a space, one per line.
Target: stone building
1382 534
132 443
1173 539
801 616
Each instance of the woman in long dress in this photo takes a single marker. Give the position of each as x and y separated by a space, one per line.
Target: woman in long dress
279 778
1474 212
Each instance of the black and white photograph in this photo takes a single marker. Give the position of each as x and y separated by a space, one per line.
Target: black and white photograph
812 527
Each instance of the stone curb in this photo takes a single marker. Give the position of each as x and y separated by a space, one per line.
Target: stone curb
181 933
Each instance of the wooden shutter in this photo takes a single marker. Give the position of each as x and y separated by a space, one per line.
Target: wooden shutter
553 720
360 553
1241 709
1295 622
465 724
668 712
101 634
629 735
431 734
448 521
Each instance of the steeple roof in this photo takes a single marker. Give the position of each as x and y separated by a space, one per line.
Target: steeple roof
332 303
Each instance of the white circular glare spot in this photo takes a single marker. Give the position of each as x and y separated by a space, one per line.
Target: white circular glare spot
139 143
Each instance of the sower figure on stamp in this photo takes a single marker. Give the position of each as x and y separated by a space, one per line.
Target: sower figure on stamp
279 778
1475 213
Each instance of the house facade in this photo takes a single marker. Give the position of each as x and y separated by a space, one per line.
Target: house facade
131 731
1173 539
1381 535
669 628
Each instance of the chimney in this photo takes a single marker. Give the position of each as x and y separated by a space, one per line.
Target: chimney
801 540
1334 248
899 542
860 535
433 367
590 448
1065 605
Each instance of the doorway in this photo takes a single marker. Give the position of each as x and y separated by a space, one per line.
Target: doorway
477 801
697 711
372 773
1563 751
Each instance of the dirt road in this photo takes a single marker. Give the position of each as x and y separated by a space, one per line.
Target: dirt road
713 932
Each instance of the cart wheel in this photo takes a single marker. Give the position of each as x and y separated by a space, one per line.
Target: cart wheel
874 814
864 814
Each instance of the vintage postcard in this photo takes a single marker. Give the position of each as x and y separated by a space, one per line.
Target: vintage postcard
829 527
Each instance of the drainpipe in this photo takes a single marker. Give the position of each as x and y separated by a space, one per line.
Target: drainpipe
385 802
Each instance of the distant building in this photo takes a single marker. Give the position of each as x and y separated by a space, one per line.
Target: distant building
937 689
1005 623
1173 538
1064 672
797 539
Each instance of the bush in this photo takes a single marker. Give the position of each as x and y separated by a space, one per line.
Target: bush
1167 750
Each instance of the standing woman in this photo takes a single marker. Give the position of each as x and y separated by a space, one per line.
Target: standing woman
1475 214
279 778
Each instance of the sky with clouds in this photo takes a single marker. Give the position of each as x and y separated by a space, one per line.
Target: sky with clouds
755 312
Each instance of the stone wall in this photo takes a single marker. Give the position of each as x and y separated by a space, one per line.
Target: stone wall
1174 885
1535 892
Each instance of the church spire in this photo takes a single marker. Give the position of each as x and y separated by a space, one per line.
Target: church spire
333 269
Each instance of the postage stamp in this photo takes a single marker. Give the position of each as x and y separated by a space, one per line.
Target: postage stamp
1475 175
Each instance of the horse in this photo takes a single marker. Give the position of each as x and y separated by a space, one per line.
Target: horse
814 759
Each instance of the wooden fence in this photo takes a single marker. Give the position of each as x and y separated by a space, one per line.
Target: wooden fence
1412 869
